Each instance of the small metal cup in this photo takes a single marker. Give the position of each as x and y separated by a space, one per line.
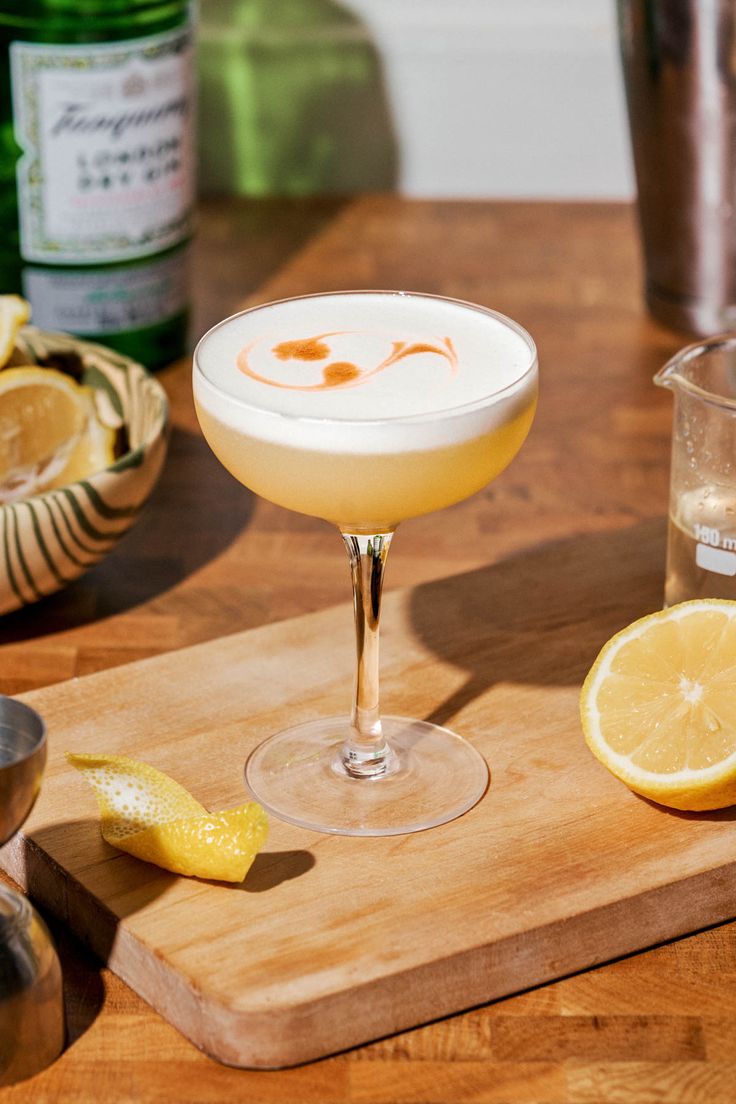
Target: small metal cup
31 994
22 760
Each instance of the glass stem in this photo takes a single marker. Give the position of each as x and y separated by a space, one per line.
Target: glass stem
366 754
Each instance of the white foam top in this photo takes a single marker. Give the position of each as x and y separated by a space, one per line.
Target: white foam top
365 371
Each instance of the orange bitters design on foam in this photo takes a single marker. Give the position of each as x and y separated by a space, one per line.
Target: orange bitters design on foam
340 374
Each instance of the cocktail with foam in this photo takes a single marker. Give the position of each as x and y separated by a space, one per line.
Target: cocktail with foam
366 408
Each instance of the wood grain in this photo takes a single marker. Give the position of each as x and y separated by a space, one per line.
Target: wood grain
658 1026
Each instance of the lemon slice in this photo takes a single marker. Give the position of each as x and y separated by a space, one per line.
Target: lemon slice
49 432
93 451
658 707
14 313
149 815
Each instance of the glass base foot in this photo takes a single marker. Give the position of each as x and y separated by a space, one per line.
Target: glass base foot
296 775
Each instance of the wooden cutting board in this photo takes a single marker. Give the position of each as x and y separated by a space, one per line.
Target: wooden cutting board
332 941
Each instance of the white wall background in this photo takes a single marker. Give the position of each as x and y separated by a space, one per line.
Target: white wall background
480 98
504 97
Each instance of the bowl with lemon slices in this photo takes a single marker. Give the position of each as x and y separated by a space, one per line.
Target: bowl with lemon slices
83 434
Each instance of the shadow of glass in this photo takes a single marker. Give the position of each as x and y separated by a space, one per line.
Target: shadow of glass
292 101
152 557
541 616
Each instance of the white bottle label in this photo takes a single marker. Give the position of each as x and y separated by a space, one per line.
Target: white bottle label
106 131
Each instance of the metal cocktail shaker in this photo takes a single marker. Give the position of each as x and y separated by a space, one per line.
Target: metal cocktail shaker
31 997
679 63
31 1010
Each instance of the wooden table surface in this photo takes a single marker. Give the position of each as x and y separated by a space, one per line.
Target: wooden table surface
657 1026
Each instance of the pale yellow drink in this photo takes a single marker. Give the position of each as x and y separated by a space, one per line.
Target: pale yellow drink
367 492
365 408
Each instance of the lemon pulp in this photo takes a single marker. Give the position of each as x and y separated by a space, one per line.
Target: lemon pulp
658 707
49 432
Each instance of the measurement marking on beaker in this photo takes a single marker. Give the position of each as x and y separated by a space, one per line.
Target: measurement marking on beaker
708 534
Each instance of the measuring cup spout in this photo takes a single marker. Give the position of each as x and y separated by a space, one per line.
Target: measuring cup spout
669 376
705 371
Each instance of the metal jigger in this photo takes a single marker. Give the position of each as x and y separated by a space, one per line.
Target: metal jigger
31 997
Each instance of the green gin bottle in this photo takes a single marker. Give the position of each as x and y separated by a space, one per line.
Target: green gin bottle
97 104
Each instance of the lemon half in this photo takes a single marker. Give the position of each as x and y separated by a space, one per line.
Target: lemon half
49 432
658 707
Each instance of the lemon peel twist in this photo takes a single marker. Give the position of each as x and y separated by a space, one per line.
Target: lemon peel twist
146 813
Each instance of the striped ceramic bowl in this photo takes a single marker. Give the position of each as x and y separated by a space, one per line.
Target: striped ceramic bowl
50 539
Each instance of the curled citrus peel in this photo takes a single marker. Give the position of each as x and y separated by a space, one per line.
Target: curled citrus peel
149 815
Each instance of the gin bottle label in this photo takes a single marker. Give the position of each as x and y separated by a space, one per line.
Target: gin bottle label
106 172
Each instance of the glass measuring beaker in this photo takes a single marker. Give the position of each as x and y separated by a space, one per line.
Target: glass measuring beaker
701 535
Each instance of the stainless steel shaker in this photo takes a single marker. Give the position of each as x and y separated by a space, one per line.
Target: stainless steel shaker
31 996
679 64
31 1008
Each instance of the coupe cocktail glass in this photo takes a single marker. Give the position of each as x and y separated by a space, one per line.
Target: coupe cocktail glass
366 408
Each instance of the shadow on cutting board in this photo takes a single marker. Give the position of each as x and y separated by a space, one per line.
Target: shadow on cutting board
540 616
94 925
84 988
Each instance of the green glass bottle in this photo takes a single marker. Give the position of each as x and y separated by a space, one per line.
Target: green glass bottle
292 100
96 168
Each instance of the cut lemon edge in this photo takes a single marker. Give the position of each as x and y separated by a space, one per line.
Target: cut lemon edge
658 710
49 432
14 313
149 815
92 453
